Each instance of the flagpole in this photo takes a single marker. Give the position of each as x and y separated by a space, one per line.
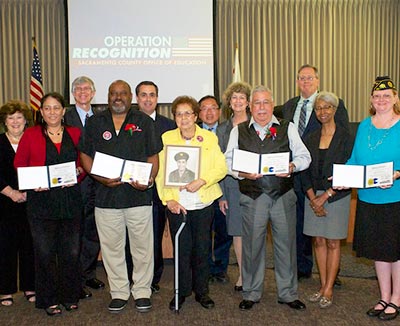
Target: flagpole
236 76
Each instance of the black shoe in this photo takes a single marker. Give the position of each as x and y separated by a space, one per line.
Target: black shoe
247 304
238 288
95 284
53 311
303 276
389 316
221 278
376 312
116 305
155 288
338 282
181 301
143 304
205 301
85 293
296 304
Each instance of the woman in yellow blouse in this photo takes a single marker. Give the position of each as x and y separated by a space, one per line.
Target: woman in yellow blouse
193 199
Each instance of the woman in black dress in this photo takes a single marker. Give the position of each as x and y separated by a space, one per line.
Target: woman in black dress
16 249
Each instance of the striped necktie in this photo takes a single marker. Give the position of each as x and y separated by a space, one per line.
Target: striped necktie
303 116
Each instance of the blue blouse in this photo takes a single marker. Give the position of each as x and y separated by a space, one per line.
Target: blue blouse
374 146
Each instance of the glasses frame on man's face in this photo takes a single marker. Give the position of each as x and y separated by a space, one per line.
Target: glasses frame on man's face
85 89
306 78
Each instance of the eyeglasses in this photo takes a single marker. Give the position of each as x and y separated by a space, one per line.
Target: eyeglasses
185 114
211 108
306 78
385 97
325 108
259 103
82 89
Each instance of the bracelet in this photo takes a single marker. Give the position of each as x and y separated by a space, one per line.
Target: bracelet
329 193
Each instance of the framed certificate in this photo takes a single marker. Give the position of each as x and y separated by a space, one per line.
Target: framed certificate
182 165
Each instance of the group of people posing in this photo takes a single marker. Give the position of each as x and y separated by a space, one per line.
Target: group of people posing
53 235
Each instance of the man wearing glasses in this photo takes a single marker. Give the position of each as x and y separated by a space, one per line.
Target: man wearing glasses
299 110
218 258
83 91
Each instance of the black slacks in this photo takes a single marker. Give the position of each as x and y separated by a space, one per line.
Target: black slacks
58 274
193 249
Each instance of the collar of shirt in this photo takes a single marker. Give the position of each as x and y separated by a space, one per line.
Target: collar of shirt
261 131
82 114
213 127
310 104
153 115
311 100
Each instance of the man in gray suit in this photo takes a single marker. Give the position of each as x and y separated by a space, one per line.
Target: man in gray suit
268 198
83 91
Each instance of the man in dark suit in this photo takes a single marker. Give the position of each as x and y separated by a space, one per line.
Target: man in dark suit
218 259
83 91
308 83
147 101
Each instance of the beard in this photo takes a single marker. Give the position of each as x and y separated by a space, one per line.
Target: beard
118 109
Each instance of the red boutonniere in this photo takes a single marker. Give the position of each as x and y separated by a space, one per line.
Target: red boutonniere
132 128
199 138
271 133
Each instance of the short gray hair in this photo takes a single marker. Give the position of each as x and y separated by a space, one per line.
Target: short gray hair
328 97
261 88
81 80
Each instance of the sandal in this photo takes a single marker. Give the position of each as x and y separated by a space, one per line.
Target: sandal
70 306
389 315
375 312
53 311
31 297
7 302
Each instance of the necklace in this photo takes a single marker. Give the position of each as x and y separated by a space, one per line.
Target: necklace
380 140
58 132
12 138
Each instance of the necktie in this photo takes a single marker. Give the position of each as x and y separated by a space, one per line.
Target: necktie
86 117
211 129
302 119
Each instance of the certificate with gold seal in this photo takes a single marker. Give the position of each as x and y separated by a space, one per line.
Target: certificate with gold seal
266 164
51 176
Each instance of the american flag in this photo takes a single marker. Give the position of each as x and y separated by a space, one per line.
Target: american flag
36 88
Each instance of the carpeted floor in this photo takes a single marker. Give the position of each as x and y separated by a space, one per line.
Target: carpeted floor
350 304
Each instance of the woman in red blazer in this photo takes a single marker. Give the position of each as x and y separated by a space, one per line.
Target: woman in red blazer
54 214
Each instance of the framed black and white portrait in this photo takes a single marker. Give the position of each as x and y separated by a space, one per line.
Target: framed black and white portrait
182 165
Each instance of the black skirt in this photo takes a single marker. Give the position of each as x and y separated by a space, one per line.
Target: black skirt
377 231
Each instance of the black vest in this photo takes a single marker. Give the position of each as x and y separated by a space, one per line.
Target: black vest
273 186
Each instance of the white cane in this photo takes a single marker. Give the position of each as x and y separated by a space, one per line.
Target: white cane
177 262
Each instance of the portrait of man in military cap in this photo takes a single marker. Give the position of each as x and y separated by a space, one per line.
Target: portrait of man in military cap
182 174
183 162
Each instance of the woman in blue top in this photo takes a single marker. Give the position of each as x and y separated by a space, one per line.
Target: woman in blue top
377 229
